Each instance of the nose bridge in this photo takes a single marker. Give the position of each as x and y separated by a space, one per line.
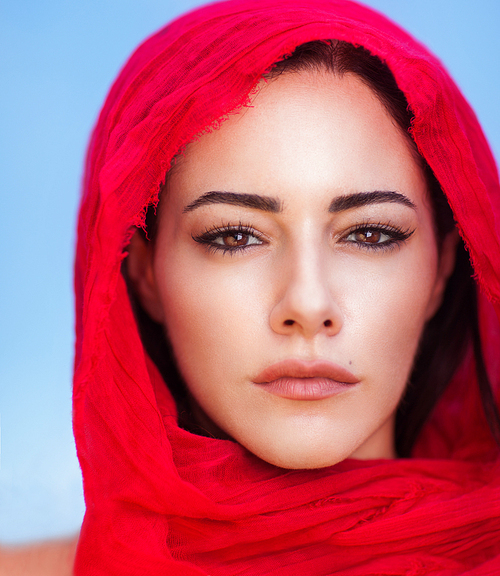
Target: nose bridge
307 302
308 285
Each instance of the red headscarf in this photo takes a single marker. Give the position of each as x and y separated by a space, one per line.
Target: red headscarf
161 500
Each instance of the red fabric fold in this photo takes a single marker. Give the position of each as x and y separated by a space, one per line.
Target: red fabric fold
161 500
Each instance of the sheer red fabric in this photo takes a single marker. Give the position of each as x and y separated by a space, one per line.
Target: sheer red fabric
161 500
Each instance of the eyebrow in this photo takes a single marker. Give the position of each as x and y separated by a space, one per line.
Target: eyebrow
349 201
255 201
269 204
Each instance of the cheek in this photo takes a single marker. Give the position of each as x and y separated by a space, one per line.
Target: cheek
214 316
390 312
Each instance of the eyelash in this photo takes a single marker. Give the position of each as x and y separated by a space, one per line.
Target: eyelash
396 236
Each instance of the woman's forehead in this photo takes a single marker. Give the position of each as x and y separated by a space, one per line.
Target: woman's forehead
302 131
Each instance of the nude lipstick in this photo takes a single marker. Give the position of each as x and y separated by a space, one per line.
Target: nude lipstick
305 380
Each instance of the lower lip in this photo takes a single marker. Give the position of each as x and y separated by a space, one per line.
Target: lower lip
305 388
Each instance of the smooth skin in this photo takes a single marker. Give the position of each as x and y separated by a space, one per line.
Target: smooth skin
324 249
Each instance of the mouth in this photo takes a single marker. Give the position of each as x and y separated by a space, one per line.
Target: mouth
306 380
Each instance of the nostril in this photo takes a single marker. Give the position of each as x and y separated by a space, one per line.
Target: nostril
327 323
289 322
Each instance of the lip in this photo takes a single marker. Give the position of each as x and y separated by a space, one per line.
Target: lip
306 380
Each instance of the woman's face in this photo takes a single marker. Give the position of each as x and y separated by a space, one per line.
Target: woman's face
294 269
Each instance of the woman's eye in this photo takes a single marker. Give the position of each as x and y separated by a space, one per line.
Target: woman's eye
229 239
235 239
377 236
368 236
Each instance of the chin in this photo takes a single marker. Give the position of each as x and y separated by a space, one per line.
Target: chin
301 453
302 459
308 443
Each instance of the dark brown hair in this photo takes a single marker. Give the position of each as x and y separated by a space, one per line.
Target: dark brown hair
454 327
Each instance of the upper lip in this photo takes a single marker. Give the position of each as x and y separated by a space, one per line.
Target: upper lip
297 368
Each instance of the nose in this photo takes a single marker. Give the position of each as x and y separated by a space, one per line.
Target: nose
306 304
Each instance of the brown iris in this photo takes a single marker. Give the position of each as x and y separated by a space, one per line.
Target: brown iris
235 239
368 236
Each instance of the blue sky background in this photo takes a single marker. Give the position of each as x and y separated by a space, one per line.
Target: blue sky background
58 59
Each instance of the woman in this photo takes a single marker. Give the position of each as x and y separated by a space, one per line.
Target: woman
316 299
